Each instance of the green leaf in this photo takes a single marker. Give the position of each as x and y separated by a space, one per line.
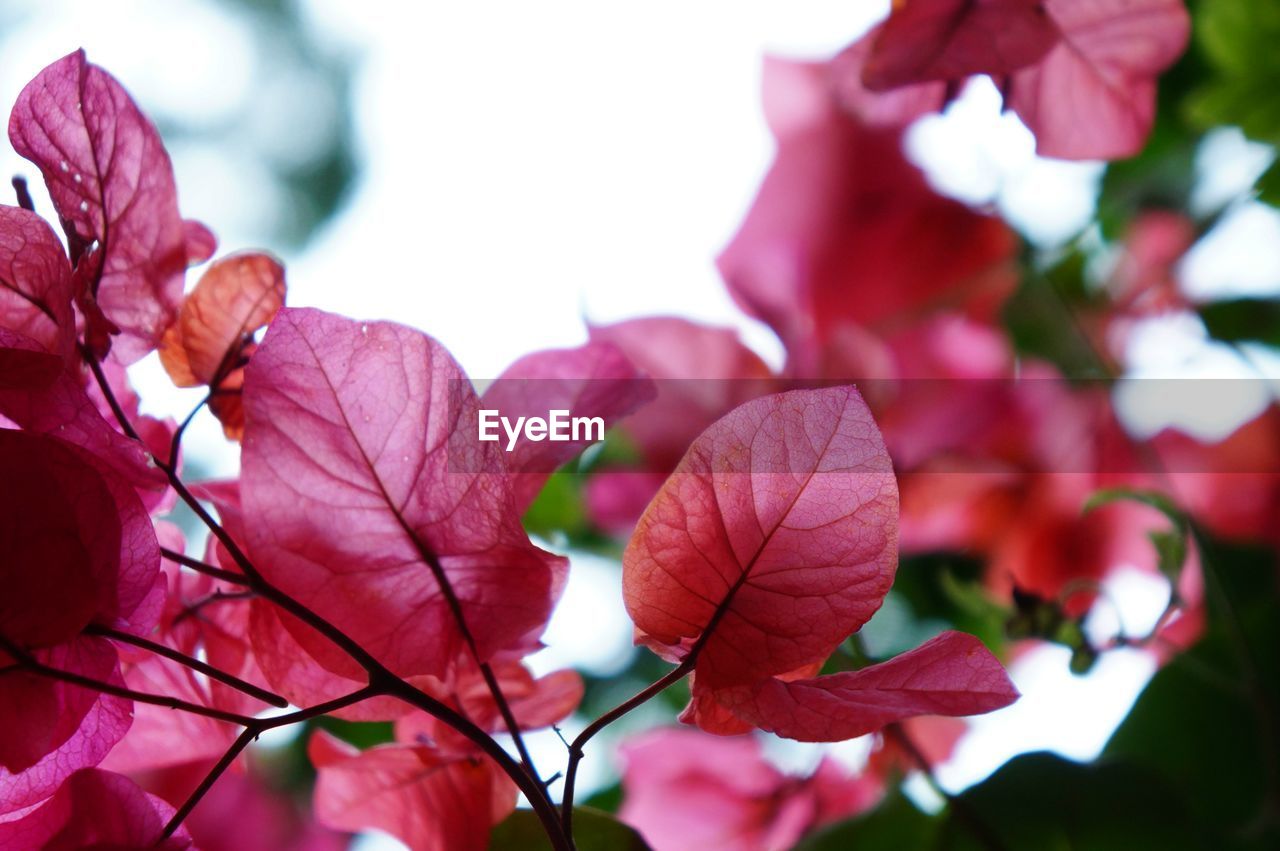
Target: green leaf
1039 617
1171 552
593 830
1070 633
1155 499
1268 185
1083 658
1244 103
944 591
894 824
618 450
1237 39
608 799
1243 319
1044 802
1163 175
1171 545
558 507
362 734
971 597
1207 721
1037 316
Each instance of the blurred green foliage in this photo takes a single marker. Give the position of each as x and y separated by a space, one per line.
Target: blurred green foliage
1243 320
1043 801
593 830
1040 316
316 187
1170 544
895 823
1238 39
1194 766
1209 721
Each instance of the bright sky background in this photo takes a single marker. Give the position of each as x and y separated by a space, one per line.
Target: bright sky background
531 164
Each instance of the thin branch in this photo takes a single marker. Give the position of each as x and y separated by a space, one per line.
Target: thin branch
193 609
1171 608
190 662
531 787
685 667
250 733
24 194
105 386
255 580
35 666
203 567
513 726
639 698
381 679
242 741
965 813
176 443
454 604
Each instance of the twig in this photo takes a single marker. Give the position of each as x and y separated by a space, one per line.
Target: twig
23 193
251 732
176 443
965 813
639 698
202 567
513 727
193 609
190 662
678 673
242 741
381 679
491 682
35 666
531 787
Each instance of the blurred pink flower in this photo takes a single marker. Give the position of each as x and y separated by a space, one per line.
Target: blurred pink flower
688 790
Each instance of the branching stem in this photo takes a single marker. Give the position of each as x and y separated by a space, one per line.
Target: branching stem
190 662
201 567
381 680
251 731
576 748
34 666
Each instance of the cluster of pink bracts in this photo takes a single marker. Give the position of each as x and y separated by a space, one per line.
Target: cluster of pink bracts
353 572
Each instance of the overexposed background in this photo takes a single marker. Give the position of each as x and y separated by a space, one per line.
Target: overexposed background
516 167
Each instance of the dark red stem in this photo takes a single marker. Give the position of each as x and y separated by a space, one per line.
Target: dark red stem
201 567
190 662
23 193
34 666
251 732
575 750
381 679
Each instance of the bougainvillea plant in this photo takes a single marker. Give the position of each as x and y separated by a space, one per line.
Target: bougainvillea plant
380 572
370 561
